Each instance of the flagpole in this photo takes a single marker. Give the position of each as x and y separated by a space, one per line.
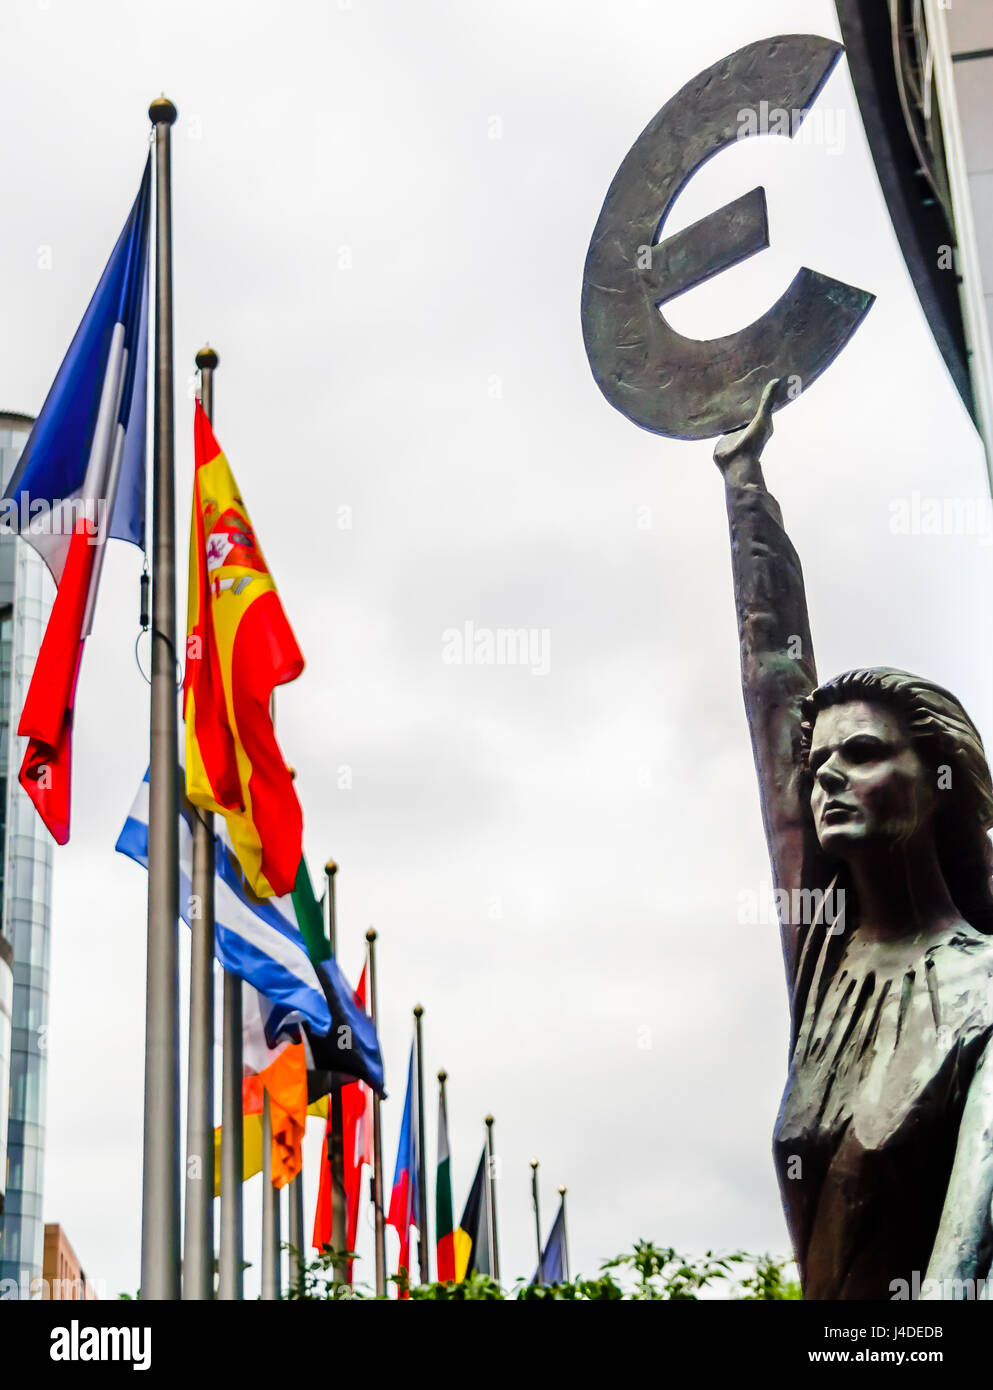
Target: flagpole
330 869
336 1137
294 1188
491 1186
270 1211
377 1142
271 1233
443 1109
231 1278
160 1243
423 1252
198 1234
565 1236
537 1217
231 1262
294 1191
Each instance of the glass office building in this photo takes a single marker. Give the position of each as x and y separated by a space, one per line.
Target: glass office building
26 593
923 76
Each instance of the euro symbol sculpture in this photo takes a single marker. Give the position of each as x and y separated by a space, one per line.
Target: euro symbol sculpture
686 387
876 792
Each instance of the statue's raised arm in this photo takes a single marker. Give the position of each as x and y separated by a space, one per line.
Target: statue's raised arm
777 657
876 792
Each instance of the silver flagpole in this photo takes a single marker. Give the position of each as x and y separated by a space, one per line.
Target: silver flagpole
423 1255
231 1263
231 1279
271 1233
296 1235
198 1232
336 1137
537 1217
377 1141
160 1244
271 1236
491 1199
294 1194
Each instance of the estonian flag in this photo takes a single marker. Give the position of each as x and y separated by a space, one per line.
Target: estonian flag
80 480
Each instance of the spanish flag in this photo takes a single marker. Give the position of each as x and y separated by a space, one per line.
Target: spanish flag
239 647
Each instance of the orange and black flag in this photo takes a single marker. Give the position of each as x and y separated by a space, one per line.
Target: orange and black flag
239 647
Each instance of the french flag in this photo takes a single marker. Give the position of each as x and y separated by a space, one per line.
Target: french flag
80 480
404 1198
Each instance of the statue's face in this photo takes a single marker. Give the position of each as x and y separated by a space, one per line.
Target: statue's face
871 789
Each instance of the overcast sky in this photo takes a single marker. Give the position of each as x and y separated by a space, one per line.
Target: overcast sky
382 211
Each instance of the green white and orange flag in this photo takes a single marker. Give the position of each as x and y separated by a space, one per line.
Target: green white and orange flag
443 1198
239 648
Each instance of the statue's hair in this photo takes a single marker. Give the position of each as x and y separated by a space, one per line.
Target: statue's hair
944 736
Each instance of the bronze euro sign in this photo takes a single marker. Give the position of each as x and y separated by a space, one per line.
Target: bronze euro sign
684 387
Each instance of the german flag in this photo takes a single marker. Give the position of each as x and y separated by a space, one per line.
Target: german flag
239 648
472 1236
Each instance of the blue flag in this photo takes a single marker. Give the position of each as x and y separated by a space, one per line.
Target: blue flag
85 456
351 1046
554 1262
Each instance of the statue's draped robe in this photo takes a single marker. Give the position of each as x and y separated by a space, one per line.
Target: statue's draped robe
888 1039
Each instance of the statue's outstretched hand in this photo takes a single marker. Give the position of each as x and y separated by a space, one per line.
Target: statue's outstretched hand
747 444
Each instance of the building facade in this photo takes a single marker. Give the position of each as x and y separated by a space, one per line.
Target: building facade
26 594
923 76
6 1015
63 1274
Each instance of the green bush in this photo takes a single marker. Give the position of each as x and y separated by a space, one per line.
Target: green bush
647 1273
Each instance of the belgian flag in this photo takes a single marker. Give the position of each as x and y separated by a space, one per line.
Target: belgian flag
472 1237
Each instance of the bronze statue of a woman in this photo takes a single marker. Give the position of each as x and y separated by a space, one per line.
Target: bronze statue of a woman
876 799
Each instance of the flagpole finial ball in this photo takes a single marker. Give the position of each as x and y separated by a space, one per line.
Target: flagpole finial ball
418 1010
443 1075
331 868
534 1165
489 1121
207 359
561 1191
162 111
371 934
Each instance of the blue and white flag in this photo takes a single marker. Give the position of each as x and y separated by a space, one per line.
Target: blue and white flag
256 939
85 456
